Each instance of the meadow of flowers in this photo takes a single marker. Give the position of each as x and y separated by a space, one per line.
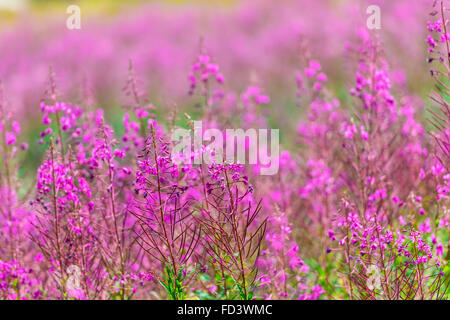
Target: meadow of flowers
94 203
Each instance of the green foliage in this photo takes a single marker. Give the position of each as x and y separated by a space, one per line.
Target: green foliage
173 282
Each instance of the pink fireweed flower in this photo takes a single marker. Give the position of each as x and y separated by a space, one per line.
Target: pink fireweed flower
264 281
364 134
425 226
119 153
142 113
16 127
253 94
322 77
309 72
422 174
206 72
349 130
317 86
433 238
213 289
440 250
314 66
331 235
10 138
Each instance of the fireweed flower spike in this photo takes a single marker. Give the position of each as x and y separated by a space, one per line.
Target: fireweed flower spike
168 233
14 218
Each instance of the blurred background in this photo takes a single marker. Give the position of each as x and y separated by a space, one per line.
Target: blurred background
259 42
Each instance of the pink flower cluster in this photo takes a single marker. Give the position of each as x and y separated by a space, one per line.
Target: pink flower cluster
103 208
